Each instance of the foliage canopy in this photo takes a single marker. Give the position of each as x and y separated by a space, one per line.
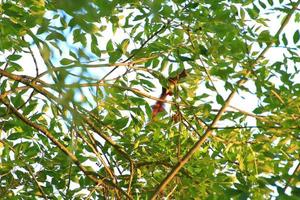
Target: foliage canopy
78 80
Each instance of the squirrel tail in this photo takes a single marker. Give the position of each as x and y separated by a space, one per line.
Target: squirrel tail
159 105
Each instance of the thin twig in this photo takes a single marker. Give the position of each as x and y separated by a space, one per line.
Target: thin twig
131 64
256 127
142 45
97 153
277 96
172 191
91 193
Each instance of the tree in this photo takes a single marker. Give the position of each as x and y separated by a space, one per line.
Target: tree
79 80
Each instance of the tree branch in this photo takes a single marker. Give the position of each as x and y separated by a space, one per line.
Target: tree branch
209 131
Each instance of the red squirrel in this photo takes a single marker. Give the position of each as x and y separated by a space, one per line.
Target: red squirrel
159 105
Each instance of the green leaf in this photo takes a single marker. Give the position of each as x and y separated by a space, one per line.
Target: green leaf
147 83
253 13
30 108
262 4
296 36
14 67
114 56
232 192
32 151
184 58
109 46
203 50
242 13
66 61
136 144
284 40
163 65
56 36
297 17
265 37
139 17
36 116
220 100
241 178
121 123
3 86
45 52
124 45
14 136
270 2
17 100
14 57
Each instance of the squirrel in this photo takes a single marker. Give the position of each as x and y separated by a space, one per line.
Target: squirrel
159 105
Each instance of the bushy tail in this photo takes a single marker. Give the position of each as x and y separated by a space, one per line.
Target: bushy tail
159 105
